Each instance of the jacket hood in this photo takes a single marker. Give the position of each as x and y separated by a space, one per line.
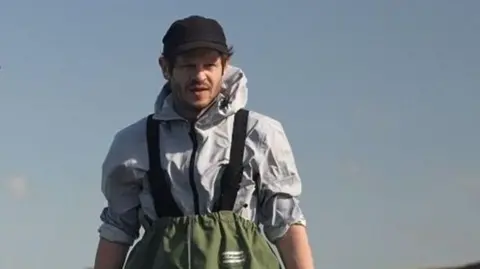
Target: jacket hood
232 97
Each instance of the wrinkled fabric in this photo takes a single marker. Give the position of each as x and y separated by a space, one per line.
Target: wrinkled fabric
268 157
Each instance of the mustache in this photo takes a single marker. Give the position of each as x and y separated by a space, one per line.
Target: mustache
198 84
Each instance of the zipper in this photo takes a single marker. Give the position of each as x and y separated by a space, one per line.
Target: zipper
191 168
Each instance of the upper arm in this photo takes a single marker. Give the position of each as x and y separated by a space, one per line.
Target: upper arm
281 185
121 188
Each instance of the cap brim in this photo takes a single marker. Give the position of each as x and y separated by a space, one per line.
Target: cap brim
201 45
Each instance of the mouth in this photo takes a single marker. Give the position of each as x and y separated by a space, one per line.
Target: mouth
198 89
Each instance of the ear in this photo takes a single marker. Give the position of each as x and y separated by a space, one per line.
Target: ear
165 67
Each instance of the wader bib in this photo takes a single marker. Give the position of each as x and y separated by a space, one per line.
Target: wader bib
217 240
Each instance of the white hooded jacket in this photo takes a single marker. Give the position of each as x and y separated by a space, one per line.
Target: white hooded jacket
268 156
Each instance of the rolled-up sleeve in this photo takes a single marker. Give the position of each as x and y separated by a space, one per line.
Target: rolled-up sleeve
121 188
281 185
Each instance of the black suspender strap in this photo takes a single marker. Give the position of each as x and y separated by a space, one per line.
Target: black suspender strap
233 174
165 205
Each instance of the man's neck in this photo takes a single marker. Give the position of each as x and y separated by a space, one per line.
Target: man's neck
185 111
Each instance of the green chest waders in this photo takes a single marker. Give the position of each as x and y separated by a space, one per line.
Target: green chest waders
218 240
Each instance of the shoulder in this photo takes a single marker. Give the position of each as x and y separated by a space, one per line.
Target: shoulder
125 158
272 150
128 143
133 133
263 122
265 129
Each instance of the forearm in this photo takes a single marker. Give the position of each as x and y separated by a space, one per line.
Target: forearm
110 255
295 249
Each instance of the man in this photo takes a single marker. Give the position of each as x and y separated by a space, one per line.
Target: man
201 172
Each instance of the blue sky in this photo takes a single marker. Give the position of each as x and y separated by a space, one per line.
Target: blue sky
380 100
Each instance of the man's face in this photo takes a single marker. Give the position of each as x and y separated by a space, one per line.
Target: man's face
196 78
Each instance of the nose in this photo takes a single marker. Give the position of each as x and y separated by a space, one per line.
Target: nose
200 74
